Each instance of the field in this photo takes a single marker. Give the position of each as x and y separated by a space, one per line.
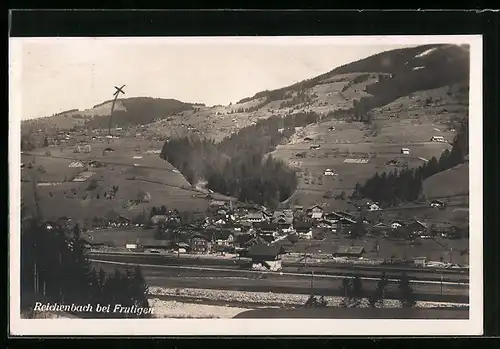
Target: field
253 281
450 251
355 313
119 237
448 184
408 122
134 177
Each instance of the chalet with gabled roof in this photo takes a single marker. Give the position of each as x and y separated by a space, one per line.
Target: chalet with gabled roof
255 217
349 251
266 257
200 243
223 238
315 212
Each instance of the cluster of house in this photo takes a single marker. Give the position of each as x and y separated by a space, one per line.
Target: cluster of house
228 229
262 235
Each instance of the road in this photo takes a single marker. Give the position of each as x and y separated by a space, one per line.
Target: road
249 280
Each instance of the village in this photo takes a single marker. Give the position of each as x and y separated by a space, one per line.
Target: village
267 237
230 229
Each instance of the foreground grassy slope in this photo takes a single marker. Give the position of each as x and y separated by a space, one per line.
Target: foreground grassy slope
134 177
408 122
356 313
356 87
452 184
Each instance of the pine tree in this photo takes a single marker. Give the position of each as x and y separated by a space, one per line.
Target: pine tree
78 269
407 297
95 291
139 290
346 290
377 298
356 290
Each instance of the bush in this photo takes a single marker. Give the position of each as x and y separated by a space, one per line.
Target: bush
92 185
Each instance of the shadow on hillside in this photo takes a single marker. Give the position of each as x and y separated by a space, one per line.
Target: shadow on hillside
356 313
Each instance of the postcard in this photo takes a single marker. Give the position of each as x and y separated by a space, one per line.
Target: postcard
246 186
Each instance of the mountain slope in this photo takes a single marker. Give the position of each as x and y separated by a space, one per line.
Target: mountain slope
350 90
449 184
128 112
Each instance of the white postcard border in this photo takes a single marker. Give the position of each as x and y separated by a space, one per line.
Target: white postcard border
291 327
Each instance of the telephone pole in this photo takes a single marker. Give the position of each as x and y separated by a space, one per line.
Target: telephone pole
116 94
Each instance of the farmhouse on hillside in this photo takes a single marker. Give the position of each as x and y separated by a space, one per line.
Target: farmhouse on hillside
255 217
349 251
303 229
83 148
437 139
437 203
223 238
396 224
200 243
315 212
266 257
284 221
76 164
420 261
217 203
329 172
83 176
158 219
245 241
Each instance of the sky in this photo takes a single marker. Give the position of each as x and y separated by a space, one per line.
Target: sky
58 74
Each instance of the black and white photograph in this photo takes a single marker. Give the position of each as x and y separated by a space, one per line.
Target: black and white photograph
222 185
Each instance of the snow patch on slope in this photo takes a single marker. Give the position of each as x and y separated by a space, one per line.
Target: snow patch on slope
425 53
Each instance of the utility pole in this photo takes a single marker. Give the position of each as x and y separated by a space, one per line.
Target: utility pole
116 94
36 274
312 282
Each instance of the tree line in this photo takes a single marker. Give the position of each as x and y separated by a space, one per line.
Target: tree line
236 166
55 268
353 292
394 187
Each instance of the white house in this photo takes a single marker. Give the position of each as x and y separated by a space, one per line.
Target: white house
306 236
395 225
437 139
153 151
83 148
316 212
329 172
76 164
405 151
437 203
373 207
255 217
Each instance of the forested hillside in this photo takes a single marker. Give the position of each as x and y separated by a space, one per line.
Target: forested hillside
392 188
235 166
140 111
